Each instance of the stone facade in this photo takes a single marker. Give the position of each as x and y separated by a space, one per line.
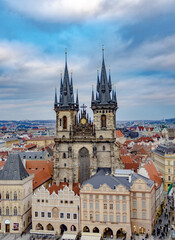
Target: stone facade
55 212
82 147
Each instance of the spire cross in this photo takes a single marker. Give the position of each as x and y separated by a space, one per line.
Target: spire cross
83 107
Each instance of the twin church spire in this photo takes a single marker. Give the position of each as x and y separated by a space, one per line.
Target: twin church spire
105 96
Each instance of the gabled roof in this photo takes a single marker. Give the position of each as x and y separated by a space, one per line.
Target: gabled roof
13 169
153 173
55 188
119 134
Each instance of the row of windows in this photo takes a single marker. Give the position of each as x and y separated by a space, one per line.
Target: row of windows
105 206
143 204
61 201
8 196
111 218
143 215
62 215
103 121
105 197
15 213
169 163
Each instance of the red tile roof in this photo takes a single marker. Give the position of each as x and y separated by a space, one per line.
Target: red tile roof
126 159
119 134
133 165
2 163
42 169
153 173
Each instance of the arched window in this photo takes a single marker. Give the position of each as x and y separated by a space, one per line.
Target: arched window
60 121
15 195
7 195
64 155
7 211
15 211
103 121
64 122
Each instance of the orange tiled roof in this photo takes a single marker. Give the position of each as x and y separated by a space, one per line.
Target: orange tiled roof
126 159
123 150
40 178
40 138
133 165
29 146
2 163
153 173
119 134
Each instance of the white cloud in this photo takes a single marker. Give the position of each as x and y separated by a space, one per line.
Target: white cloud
77 10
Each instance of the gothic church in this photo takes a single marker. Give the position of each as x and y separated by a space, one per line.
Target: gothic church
81 146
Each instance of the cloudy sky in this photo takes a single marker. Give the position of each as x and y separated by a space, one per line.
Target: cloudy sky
139 42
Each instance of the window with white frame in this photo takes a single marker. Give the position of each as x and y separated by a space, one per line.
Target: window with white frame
91 205
144 215
134 203
118 218
42 214
117 197
134 214
105 217
61 215
143 204
84 205
124 218
49 214
111 218
36 214
68 215
124 207
117 206
74 216
97 206
97 217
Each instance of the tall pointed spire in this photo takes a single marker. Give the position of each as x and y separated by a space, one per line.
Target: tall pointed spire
77 101
92 99
55 103
104 88
110 84
66 89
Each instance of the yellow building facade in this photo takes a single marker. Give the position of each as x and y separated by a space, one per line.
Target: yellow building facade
164 159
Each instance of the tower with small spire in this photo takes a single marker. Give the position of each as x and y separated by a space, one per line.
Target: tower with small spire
66 109
104 106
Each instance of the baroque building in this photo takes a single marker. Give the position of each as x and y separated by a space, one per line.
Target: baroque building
81 146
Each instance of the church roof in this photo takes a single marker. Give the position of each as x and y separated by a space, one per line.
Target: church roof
13 169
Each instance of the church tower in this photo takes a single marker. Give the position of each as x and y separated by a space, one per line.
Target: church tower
83 146
104 106
66 117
